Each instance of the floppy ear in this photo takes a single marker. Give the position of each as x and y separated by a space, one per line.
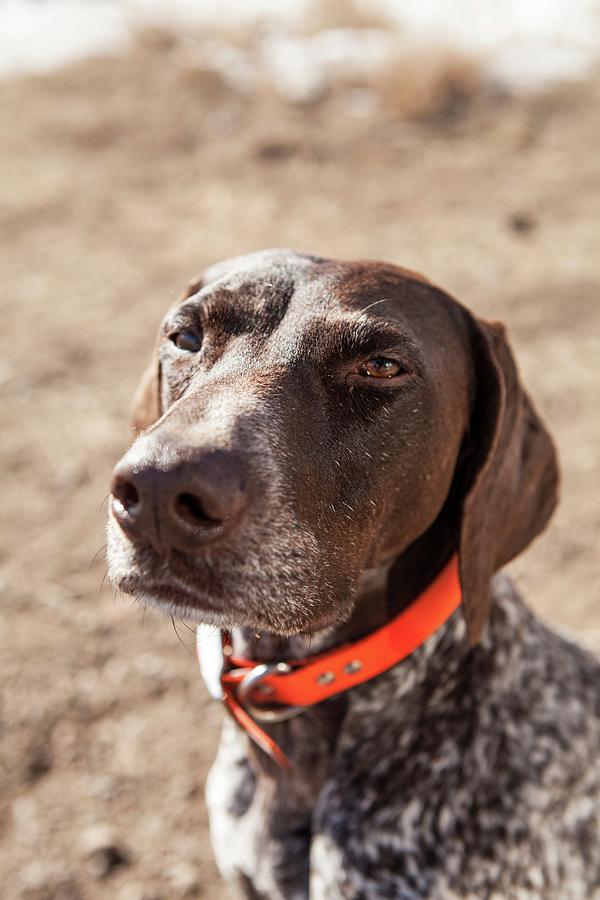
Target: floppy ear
146 407
513 475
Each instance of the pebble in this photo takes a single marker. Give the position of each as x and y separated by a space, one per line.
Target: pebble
102 852
38 762
103 861
522 222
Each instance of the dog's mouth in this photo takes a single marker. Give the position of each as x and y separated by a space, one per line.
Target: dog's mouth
174 585
178 602
264 584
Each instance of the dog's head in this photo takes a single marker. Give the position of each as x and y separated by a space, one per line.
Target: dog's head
304 420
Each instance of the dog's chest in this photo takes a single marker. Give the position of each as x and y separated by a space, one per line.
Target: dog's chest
260 825
446 782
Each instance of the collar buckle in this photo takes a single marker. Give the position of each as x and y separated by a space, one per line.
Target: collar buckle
253 680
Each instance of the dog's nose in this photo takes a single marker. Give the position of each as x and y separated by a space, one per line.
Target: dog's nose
178 498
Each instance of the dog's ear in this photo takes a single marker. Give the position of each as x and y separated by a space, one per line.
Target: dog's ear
146 407
512 474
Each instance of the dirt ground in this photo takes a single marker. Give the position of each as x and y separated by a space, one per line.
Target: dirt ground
119 179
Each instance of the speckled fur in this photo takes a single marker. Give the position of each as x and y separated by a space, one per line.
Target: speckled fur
458 774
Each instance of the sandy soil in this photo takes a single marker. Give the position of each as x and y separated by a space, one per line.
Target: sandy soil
118 180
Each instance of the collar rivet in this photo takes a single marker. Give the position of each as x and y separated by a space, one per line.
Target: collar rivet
325 678
353 666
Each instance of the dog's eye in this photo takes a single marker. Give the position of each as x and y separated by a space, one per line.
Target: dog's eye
381 367
186 340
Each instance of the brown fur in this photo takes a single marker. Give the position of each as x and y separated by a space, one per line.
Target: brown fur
494 463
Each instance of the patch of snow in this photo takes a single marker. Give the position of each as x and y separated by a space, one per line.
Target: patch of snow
302 67
520 44
38 36
523 44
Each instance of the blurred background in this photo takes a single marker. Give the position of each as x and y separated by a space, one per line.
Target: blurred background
141 141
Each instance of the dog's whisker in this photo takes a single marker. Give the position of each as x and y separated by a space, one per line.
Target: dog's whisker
103 582
185 625
97 554
179 638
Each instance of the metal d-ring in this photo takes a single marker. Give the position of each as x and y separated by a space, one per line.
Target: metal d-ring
254 677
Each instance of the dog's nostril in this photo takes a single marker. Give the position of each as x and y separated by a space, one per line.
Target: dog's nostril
126 493
189 508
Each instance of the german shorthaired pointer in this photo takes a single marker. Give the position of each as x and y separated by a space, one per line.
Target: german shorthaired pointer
320 440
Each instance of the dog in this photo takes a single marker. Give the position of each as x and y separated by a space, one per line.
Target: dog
319 442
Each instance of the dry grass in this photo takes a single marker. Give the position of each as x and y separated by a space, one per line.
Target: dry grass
344 14
430 84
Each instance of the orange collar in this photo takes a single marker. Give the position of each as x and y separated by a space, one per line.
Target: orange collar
246 686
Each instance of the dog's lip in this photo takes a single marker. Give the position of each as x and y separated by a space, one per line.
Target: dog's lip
172 578
175 591
158 575
176 588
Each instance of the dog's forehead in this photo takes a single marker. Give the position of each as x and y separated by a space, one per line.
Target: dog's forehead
278 284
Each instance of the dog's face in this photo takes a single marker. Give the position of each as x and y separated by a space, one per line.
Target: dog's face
305 419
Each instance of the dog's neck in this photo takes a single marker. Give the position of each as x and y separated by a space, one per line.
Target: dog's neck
383 592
